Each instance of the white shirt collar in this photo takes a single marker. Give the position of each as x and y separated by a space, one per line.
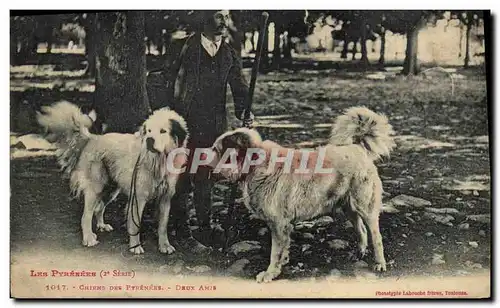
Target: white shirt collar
210 46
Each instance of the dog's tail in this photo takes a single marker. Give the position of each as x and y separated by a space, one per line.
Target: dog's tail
67 126
360 125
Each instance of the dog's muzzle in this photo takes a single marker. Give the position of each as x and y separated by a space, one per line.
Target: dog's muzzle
150 145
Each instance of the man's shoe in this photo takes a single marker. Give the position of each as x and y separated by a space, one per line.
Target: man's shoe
191 245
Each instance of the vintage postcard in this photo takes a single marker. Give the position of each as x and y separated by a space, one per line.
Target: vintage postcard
250 154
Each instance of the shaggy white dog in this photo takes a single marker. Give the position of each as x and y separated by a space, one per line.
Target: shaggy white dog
135 163
281 197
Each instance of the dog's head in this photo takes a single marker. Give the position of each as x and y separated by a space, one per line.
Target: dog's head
231 149
164 131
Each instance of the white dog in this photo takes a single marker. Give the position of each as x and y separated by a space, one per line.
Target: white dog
282 198
135 163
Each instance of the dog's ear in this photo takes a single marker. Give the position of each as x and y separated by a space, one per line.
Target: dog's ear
177 132
237 140
92 115
141 131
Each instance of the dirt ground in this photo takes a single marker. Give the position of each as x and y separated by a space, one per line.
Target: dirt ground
442 158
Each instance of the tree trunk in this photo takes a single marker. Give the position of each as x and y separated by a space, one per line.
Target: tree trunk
28 48
90 43
354 49
364 51
49 46
166 38
410 66
467 40
277 50
33 46
49 35
14 33
13 52
50 42
121 97
460 42
381 60
34 39
345 50
287 49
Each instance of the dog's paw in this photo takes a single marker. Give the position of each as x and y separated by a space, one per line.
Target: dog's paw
105 228
136 250
167 248
379 267
265 277
90 240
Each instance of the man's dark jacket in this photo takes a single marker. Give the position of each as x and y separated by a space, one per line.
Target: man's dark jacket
183 77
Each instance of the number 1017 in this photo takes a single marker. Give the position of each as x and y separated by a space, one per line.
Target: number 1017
56 287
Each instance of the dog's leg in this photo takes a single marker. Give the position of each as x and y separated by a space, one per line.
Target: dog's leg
378 247
371 220
91 200
362 236
99 214
163 243
366 200
357 222
134 219
373 226
280 236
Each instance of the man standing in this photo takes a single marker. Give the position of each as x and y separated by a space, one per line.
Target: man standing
197 70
